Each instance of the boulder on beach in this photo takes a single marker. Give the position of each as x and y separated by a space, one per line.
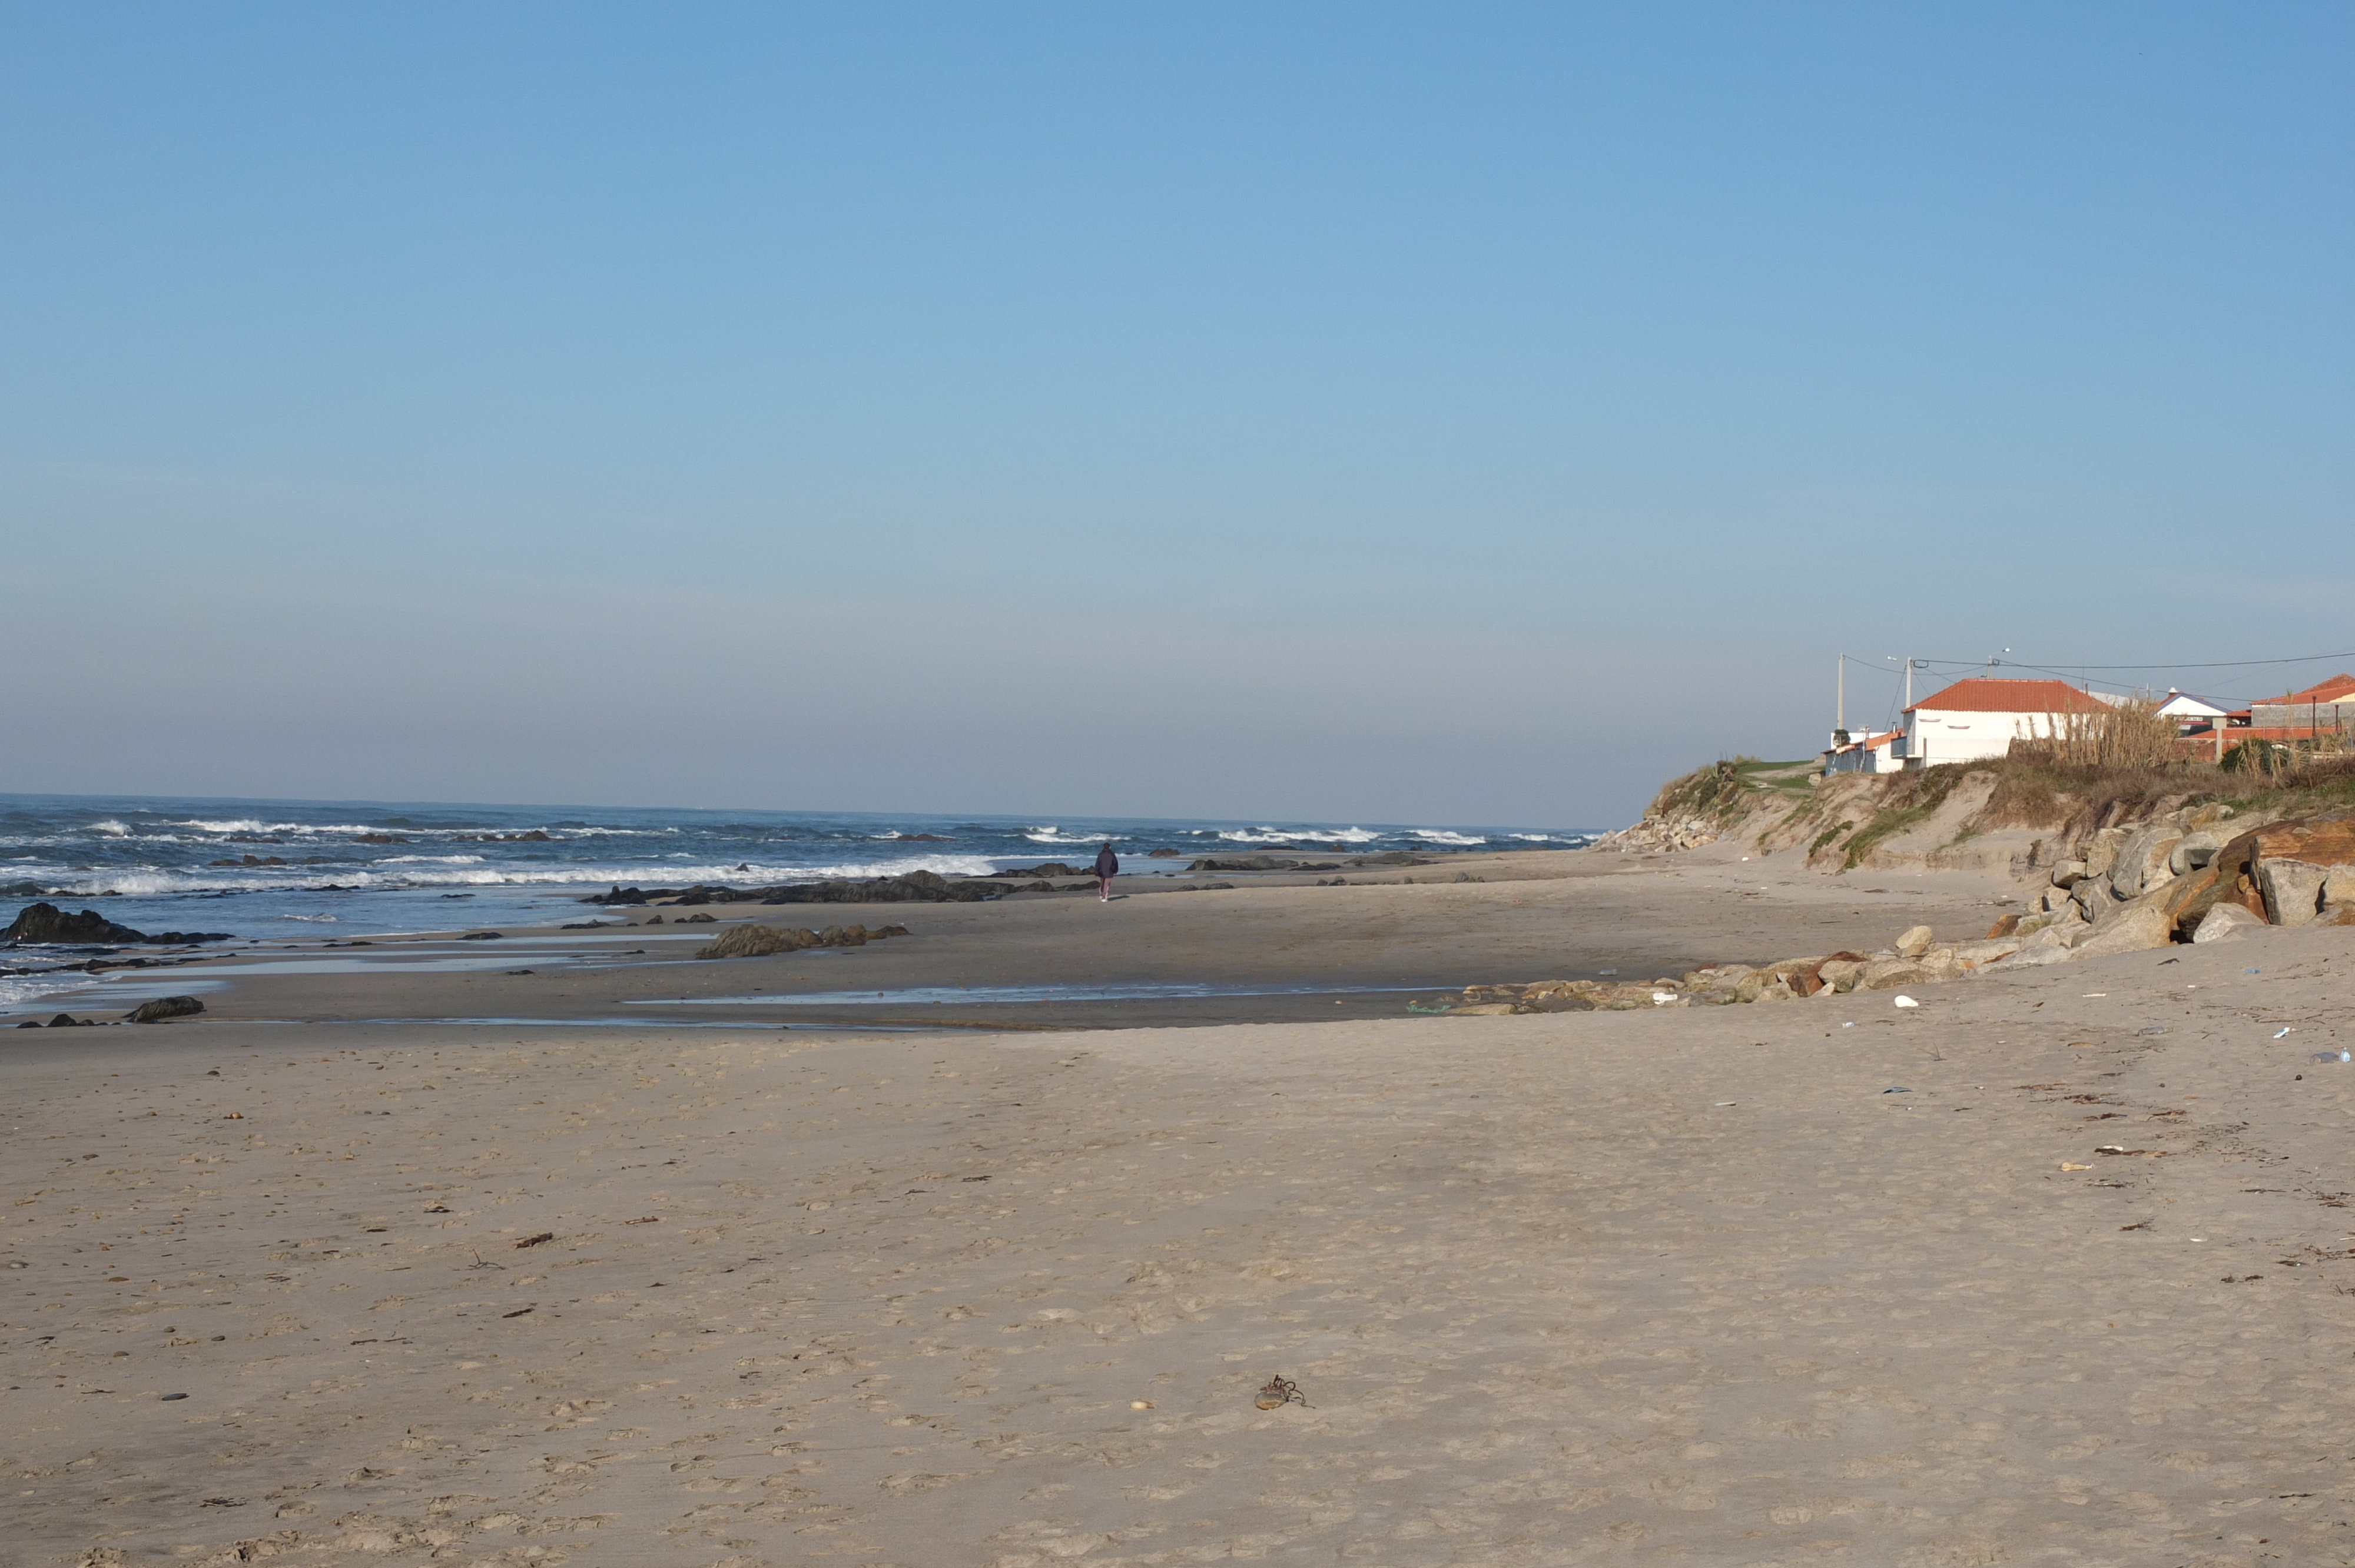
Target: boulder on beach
758 941
2226 922
2135 929
164 1007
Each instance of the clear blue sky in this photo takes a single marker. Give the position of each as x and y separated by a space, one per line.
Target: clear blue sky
1450 412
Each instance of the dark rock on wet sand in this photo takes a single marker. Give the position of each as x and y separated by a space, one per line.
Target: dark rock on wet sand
757 941
483 936
164 1007
46 923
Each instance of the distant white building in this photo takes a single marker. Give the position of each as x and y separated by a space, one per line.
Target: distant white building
1869 754
1981 716
2186 709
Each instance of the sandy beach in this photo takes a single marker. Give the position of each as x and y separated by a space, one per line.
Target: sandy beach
1827 1280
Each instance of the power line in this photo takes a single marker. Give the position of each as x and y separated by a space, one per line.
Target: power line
2220 664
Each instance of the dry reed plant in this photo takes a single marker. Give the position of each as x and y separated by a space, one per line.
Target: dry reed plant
2130 735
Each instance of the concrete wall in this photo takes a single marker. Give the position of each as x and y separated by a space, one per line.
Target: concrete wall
1933 735
2303 715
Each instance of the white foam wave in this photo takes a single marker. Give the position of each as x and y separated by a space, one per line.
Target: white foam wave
1056 836
16 990
111 828
150 884
255 825
1443 836
431 859
1295 835
327 919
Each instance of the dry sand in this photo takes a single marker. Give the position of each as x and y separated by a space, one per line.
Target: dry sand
1679 1287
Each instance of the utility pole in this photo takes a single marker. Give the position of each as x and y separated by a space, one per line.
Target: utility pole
1839 725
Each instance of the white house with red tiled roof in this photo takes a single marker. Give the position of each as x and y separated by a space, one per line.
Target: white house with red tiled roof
1981 716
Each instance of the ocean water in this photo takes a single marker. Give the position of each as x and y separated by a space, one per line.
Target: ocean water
295 870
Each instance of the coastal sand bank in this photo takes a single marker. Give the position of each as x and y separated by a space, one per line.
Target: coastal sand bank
1686 1286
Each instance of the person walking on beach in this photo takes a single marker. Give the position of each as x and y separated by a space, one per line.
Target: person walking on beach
1107 867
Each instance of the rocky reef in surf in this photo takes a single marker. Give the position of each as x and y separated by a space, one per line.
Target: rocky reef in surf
46 924
914 887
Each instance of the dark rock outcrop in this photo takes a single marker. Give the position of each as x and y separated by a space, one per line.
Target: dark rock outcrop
756 941
46 923
483 936
164 1007
915 887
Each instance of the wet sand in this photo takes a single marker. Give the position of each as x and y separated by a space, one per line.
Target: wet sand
1299 951
1685 1287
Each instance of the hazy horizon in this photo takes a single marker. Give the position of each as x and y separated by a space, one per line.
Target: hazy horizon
1308 412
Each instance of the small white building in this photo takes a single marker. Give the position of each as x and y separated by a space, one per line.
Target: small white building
1981 716
1869 754
2187 710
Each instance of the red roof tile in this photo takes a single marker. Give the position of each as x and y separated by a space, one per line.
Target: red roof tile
1981 694
2338 689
